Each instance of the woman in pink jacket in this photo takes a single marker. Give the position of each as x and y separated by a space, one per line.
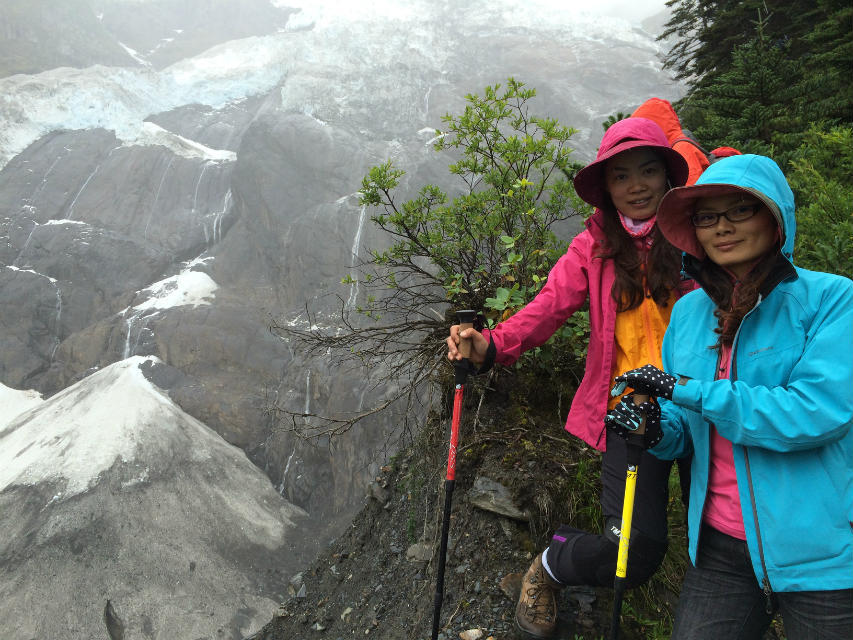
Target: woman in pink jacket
631 277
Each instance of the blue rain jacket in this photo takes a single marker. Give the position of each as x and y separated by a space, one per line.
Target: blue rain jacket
787 409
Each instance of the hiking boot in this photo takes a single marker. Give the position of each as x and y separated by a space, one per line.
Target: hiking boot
536 611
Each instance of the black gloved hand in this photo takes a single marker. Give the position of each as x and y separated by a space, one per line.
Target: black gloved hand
626 417
648 379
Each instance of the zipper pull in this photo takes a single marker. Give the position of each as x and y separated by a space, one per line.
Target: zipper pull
768 594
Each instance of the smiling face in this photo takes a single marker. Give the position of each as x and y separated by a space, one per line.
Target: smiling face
735 245
636 181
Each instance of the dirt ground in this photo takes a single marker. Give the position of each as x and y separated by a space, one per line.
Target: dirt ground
378 577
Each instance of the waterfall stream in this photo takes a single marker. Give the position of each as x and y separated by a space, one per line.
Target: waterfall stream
17 261
97 168
356 245
197 184
157 196
57 327
135 316
214 234
70 213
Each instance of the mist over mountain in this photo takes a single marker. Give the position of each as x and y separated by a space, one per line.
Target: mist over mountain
175 175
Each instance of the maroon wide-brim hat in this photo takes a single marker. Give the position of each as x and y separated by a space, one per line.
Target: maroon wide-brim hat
751 176
629 133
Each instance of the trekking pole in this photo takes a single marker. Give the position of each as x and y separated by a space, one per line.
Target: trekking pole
461 367
634 451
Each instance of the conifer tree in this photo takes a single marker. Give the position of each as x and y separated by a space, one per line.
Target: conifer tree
705 32
828 64
757 104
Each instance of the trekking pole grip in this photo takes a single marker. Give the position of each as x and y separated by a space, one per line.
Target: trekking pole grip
636 438
639 399
465 318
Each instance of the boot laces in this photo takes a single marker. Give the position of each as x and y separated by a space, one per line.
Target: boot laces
539 601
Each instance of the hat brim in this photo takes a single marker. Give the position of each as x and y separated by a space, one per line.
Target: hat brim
677 205
589 181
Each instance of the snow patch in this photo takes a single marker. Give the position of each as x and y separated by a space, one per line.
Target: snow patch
80 432
187 288
133 53
65 221
152 134
14 402
119 99
35 273
117 416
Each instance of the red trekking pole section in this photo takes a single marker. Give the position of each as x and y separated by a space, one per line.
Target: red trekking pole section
466 320
454 432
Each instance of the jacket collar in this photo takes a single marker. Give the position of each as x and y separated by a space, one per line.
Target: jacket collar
595 225
783 269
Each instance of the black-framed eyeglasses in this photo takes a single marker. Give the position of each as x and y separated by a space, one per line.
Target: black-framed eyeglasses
737 213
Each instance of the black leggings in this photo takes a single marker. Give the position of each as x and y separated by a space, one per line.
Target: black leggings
576 557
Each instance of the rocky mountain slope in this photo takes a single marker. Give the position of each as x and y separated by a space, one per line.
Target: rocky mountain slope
519 475
36 35
174 176
109 491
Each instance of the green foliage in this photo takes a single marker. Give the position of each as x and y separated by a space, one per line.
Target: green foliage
704 33
828 64
563 355
820 177
613 119
491 245
761 72
753 105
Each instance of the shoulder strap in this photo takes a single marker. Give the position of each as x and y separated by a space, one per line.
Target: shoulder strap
694 143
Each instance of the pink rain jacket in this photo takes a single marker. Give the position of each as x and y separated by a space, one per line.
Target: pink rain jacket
578 275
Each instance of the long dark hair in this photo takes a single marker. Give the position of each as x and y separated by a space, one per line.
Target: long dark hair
655 272
735 299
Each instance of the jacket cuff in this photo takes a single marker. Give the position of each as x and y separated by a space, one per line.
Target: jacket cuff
688 395
491 354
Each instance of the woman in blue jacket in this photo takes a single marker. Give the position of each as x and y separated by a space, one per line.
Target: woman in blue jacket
758 385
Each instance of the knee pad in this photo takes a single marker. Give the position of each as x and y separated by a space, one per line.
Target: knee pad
577 557
645 554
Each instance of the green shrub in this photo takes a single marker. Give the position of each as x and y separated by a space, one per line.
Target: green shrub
820 178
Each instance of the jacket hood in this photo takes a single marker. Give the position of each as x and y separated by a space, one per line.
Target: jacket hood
758 176
623 135
660 111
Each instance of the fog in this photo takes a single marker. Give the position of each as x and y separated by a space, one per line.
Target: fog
555 10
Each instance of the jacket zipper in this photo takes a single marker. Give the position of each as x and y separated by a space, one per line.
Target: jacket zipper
765 582
705 497
647 327
651 339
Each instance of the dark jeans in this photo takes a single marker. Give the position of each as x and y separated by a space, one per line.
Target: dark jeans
578 557
721 598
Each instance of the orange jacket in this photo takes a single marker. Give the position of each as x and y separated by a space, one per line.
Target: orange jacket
661 112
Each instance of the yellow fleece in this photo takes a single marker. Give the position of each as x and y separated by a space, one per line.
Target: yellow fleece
638 337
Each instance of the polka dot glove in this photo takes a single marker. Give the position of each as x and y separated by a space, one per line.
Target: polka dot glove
626 417
648 379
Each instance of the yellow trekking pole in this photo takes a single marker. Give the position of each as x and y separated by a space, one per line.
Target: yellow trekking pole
635 452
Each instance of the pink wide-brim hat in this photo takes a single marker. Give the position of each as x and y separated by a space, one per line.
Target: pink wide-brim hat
623 135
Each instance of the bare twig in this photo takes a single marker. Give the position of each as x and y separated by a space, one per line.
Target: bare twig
487 386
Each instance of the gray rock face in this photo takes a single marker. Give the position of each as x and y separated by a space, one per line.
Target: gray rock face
36 35
176 205
39 34
492 496
108 490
